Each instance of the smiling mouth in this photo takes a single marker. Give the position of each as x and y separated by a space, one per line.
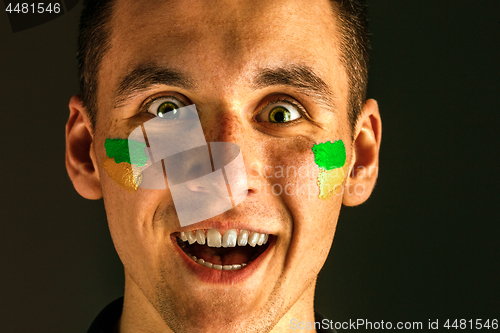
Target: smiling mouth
232 251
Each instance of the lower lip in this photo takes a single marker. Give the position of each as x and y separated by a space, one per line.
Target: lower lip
215 276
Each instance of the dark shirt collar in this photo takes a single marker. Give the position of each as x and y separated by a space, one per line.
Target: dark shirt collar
106 320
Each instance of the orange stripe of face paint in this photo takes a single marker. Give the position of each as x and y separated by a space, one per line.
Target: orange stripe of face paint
123 174
330 181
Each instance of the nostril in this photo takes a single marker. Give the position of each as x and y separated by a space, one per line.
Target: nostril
212 184
195 186
239 196
252 191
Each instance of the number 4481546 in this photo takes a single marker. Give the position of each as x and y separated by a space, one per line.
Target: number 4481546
39 8
471 324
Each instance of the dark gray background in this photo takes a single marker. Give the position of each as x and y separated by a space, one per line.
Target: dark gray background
425 246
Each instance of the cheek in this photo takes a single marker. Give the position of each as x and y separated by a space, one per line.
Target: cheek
121 173
135 227
295 176
291 173
129 206
117 162
330 158
307 171
114 152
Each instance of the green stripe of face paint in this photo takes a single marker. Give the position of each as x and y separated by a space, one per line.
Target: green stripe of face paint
120 150
330 155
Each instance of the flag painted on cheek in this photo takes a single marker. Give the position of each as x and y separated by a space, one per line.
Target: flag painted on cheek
331 160
117 162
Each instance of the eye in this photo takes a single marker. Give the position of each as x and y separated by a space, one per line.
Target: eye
166 107
278 112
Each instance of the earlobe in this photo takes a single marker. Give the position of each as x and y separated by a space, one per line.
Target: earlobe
365 156
80 156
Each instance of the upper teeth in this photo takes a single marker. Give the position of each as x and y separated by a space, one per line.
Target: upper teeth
231 238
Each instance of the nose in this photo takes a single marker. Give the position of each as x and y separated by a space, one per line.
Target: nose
199 191
213 182
227 156
224 125
228 125
204 173
216 169
213 171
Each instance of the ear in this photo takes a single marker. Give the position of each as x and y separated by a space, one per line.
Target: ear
364 163
80 155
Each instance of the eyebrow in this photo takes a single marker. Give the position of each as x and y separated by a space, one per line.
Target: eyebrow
143 77
301 78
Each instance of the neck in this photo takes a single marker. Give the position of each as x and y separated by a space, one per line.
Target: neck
302 311
140 316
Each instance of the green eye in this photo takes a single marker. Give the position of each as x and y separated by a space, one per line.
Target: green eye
168 110
279 115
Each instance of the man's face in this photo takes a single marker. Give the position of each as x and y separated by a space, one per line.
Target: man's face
224 51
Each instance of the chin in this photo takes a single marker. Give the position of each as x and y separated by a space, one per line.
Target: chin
228 310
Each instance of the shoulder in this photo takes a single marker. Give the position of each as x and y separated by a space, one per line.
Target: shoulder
107 318
324 323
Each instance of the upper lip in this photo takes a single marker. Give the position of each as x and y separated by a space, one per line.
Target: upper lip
219 225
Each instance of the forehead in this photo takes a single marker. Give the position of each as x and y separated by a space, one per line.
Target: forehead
223 42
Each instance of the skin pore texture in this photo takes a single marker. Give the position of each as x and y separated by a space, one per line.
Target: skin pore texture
331 160
236 58
117 162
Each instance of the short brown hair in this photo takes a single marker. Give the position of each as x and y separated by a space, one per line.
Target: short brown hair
355 51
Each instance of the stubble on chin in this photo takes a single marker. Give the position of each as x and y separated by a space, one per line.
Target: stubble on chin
217 315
